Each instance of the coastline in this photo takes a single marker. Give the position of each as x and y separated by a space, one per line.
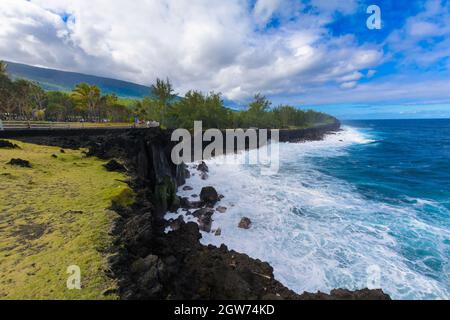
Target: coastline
150 264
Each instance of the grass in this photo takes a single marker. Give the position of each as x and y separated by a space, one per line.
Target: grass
52 216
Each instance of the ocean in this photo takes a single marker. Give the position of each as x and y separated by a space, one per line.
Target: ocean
366 207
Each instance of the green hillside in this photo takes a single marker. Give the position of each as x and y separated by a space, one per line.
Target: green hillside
57 80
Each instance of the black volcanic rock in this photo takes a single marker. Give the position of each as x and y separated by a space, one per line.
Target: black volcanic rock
202 167
209 195
113 165
245 223
8 145
20 163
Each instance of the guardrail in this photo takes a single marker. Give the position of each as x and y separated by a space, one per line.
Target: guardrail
46 125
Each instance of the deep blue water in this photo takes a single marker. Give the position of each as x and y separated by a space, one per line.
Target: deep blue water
407 165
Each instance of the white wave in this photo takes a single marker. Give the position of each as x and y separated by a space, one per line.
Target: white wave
316 231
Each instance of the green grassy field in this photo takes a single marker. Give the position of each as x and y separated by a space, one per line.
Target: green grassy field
54 215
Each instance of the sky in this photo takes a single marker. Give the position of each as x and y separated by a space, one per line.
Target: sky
316 54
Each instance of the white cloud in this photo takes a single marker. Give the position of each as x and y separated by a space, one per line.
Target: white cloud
425 38
202 44
349 85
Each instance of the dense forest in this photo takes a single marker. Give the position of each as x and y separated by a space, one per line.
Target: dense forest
21 99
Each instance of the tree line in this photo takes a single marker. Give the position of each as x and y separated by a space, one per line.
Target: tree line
21 99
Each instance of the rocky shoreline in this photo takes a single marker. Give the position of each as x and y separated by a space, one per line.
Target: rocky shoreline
149 263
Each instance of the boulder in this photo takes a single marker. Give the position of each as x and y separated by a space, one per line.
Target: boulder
202 167
204 218
7 145
209 195
205 223
113 165
187 204
218 232
187 188
20 163
245 223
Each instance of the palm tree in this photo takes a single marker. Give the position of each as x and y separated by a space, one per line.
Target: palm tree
163 90
87 98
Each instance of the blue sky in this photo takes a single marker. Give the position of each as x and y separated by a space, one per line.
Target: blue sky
312 54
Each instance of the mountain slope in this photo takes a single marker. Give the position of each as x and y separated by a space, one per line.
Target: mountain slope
51 79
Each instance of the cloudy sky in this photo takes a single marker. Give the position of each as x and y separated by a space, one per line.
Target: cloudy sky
313 53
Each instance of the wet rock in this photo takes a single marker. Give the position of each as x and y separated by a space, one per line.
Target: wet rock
209 195
202 167
344 294
194 195
187 204
205 223
203 212
245 223
187 188
181 174
175 224
113 165
20 163
204 218
218 232
204 176
8 145
221 209
62 151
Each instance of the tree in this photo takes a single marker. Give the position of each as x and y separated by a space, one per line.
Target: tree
7 97
163 91
22 93
87 98
60 107
257 114
3 68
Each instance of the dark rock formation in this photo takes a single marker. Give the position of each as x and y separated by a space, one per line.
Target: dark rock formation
209 195
344 294
8 145
20 163
113 165
204 216
245 223
202 167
